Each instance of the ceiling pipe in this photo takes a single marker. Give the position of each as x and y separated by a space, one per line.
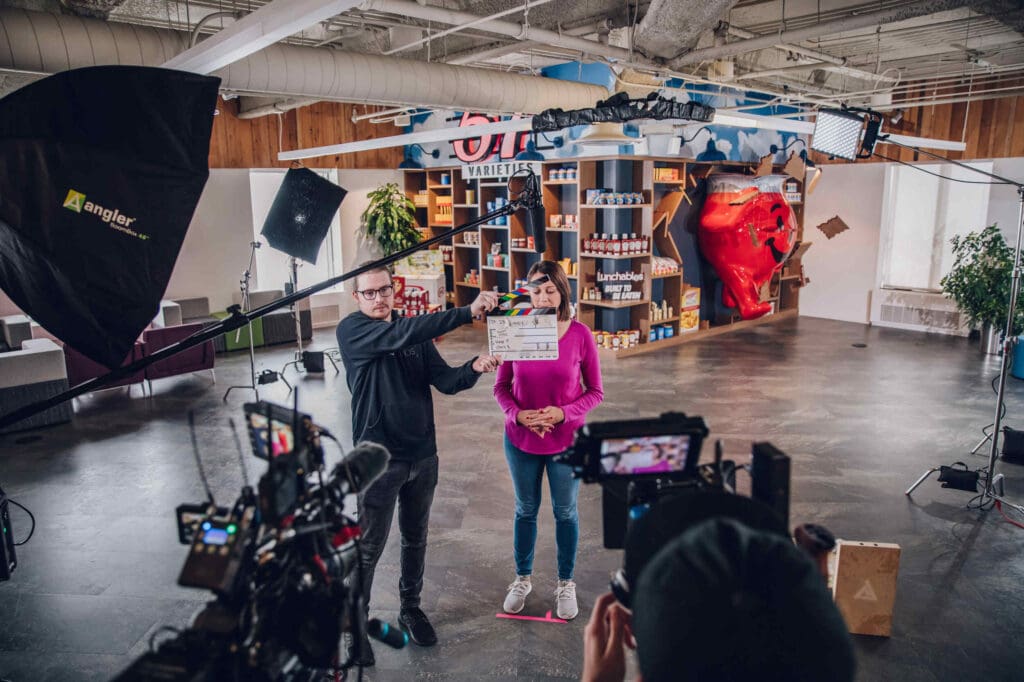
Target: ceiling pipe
463 27
789 70
506 28
49 43
850 23
207 19
787 47
601 26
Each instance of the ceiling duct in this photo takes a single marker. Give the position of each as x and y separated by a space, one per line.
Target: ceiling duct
47 43
671 27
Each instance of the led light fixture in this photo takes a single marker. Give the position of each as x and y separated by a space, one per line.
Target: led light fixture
837 133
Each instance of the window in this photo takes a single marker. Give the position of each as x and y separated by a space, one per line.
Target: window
273 267
921 213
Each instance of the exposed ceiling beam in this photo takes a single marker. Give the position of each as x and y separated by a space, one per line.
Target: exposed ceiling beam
273 22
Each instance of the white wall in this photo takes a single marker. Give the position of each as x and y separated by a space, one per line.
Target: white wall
216 248
842 270
1004 204
354 250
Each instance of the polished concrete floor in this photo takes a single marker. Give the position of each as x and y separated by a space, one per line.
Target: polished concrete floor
860 423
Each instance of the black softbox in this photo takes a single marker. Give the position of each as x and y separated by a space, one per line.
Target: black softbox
100 172
301 213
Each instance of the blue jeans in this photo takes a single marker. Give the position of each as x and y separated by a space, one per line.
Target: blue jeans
527 474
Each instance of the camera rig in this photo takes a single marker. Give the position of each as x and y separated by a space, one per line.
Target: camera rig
642 464
277 561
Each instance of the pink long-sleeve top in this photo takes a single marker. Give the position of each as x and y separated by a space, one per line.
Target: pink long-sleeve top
536 384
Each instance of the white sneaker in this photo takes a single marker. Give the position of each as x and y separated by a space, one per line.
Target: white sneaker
515 600
565 600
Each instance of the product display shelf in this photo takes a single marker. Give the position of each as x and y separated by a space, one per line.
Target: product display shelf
562 197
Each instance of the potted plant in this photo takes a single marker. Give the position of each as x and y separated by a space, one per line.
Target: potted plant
390 219
979 282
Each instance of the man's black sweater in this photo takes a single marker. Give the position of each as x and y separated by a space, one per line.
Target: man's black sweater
390 367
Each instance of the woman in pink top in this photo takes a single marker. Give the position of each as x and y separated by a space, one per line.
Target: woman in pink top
545 401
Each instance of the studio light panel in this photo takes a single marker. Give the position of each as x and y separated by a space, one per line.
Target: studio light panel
837 133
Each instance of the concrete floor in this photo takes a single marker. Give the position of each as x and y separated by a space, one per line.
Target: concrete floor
861 424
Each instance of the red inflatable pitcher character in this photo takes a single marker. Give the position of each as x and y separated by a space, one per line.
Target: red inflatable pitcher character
746 232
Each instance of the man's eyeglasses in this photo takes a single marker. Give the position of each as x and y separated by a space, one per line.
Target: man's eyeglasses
383 292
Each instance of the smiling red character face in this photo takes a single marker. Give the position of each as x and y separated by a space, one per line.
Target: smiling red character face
747 232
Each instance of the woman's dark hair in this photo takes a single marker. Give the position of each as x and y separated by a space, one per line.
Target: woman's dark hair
557 277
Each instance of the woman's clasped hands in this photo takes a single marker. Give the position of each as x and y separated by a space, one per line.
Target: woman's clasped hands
541 421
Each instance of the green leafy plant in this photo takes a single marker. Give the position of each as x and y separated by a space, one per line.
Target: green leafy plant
390 219
981 277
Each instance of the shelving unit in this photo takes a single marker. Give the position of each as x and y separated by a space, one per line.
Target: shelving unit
662 199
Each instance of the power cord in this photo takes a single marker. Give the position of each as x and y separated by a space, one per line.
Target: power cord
30 516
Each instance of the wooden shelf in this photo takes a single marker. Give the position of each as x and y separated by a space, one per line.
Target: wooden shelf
687 337
468 246
516 249
503 185
616 206
429 186
495 227
491 267
616 304
677 273
467 284
560 229
665 321
561 182
442 225
670 182
465 205
607 257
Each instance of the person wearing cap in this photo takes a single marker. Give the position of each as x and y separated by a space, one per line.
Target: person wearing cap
544 402
722 601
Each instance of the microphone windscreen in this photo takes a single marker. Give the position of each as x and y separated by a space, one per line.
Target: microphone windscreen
534 214
365 463
387 633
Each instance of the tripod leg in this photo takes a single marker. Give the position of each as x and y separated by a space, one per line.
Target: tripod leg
920 480
333 363
984 440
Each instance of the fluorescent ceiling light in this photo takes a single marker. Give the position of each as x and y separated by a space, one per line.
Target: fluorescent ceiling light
837 133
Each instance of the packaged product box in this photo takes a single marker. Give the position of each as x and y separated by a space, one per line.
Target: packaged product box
691 297
433 285
689 319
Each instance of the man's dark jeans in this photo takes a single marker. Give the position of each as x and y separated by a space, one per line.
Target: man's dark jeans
411 485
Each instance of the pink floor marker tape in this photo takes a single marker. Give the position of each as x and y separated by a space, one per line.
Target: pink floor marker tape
546 619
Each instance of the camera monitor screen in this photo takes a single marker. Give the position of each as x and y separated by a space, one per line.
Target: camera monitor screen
279 439
645 455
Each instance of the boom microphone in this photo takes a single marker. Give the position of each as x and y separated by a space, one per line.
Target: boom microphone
394 637
361 467
534 215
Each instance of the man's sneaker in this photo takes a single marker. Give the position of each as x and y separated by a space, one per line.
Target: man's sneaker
565 600
515 600
364 657
415 622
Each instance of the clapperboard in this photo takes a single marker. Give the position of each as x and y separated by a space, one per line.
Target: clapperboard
523 334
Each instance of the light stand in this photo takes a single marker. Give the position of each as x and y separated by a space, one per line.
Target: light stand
266 377
526 200
992 481
300 354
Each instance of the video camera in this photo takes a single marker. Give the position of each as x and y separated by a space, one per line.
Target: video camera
276 561
653 486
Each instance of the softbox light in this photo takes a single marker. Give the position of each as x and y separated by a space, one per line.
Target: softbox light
837 133
101 169
301 213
